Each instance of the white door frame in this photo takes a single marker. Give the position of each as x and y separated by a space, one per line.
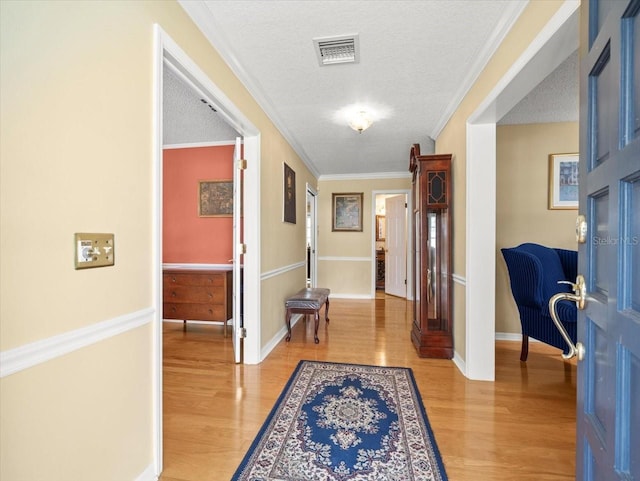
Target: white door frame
311 192
557 40
374 193
166 49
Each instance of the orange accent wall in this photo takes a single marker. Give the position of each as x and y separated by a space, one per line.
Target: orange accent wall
186 237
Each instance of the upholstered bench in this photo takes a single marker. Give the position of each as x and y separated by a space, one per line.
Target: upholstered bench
308 301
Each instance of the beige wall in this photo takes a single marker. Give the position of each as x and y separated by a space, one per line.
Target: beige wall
453 138
522 167
76 111
348 272
76 155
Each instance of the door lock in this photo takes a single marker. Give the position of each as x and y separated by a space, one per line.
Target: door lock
581 229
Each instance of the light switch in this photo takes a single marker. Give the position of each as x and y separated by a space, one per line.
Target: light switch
94 250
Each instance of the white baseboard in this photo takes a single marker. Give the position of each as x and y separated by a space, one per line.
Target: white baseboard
460 363
34 353
279 336
196 267
350 296
147 475
500 336
512 336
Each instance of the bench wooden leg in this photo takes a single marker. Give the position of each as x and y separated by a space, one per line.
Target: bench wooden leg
316 318
288 325
326 311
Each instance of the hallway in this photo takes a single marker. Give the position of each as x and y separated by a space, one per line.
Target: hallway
520 427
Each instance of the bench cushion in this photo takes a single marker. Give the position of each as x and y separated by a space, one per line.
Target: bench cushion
310 298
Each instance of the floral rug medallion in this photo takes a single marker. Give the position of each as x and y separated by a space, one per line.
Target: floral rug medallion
345 422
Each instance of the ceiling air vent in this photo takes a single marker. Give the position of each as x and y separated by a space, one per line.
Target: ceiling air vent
333 50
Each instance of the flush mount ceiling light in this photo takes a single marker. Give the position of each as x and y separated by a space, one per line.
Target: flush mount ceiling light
360 121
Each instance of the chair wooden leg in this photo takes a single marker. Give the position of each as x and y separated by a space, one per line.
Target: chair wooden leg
524 352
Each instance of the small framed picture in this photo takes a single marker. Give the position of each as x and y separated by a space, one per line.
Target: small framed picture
215 198
563 181
347 212
380 228
289 193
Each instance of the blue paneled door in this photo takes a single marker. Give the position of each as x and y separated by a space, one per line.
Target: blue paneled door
608 410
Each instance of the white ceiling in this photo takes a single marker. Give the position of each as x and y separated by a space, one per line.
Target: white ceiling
417 60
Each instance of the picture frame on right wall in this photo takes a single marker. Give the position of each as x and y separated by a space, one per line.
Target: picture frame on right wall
563 181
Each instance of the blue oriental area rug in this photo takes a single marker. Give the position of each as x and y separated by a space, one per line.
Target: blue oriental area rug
345 422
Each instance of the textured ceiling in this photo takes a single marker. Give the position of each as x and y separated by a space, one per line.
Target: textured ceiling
417 60
555 99
186 119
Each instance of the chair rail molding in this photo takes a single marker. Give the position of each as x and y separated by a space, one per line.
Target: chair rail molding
38 352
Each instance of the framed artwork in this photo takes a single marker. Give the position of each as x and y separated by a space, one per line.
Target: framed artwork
347 212
380 227
215 198
289 193
563 181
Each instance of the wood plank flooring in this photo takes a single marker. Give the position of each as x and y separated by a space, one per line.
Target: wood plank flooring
520 427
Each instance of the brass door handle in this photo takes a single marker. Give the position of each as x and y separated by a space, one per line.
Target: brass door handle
579 297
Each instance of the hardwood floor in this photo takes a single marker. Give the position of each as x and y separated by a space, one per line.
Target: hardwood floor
522 426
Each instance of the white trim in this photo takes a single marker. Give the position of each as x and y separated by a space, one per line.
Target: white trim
554 43
511 13
38 352
206 21
156 249
282 270
459 362
168 52
195 145
352 296
367 176
480 266
311 196
279 336
512 336
147 474
345 259
197 267
458 279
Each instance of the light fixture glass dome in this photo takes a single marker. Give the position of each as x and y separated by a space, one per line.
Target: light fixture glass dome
360 121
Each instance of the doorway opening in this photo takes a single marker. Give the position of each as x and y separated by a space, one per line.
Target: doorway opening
555 43
312 237
390 227
167 52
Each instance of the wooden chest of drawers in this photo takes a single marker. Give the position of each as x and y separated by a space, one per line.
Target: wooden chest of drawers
204 295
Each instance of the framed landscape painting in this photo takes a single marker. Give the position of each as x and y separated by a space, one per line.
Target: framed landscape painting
563 181
347 212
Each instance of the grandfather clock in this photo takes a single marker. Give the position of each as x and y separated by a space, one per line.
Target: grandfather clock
431 332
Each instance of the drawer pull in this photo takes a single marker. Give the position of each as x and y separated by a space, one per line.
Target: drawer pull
173 294
210 311
210 295
173 308
173 279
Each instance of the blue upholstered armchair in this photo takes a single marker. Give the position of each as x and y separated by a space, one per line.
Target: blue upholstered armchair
534 272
